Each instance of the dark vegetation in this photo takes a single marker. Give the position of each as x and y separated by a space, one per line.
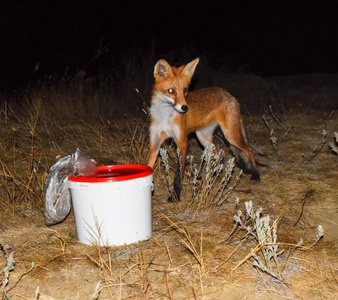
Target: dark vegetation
116 87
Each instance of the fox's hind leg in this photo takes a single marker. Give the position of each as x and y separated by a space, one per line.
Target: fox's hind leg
234 132
205 136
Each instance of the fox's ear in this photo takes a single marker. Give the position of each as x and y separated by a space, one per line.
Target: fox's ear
162 69
189 69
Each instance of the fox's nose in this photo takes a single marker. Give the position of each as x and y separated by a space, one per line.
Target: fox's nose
184 108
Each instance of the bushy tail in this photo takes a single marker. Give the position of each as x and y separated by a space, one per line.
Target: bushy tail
245 163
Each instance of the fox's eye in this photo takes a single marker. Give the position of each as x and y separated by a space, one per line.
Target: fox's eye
171 91
185 90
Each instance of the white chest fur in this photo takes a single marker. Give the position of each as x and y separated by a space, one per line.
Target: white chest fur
163 113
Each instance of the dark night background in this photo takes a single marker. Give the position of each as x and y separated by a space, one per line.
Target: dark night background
265 38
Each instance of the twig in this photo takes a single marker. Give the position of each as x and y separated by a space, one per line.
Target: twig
22 275
333 145
315 150
244 191
189 244
273 138
168 286
232 253
308 193
266 123
278 119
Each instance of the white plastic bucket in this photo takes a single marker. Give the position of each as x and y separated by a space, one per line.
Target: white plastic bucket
113 207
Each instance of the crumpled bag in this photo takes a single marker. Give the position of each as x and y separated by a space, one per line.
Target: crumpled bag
56 192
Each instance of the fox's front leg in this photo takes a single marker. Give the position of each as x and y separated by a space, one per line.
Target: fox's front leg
182 146
155 144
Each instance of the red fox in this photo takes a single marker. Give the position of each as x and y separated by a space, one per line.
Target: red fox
175 113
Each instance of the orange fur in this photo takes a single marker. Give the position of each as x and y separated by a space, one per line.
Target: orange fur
175 113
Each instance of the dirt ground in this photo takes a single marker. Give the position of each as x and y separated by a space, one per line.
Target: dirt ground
192 254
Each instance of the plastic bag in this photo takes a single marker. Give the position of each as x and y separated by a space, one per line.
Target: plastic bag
57 194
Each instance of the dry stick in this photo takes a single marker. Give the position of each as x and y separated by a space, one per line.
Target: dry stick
315 151
83 138
106 270
110 262
22 275
308 193
23 297
168 286
170 259
172 223
31 177
232 233
231 189
288 258
201 278
333 275
192 249
275 223
132 267
232 253
120 286
16 182
266 123
107 286
258 247
194 292
133 138
15 115
143 272
277 119
189 246
101 263
33 146
273 139
244 191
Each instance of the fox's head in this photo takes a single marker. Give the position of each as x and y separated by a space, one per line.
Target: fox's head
171 83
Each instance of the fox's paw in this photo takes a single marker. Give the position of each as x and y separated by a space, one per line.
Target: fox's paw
173 198
255 176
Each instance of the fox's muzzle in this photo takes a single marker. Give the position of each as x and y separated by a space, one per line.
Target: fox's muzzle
184 108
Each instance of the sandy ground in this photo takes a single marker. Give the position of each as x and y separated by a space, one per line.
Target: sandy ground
299 189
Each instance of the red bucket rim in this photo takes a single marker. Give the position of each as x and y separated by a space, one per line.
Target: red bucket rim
113 173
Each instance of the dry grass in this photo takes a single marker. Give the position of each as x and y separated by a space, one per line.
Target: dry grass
197 250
